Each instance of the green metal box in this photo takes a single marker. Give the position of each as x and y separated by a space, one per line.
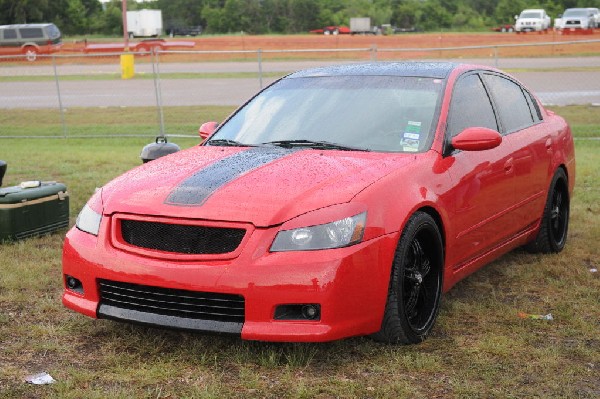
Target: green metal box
26 212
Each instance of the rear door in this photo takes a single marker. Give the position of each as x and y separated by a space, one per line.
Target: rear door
523 128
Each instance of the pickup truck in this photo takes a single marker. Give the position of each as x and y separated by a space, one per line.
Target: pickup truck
576 19
532 20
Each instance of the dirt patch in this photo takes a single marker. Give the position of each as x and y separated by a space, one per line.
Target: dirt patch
425 45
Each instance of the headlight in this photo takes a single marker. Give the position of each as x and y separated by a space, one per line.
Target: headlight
340 233
88 220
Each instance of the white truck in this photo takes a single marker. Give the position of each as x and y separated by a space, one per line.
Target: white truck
361 26
532 20
144 23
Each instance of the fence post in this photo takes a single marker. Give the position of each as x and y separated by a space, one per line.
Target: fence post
260 74
60 104
374 52
157 91
496 56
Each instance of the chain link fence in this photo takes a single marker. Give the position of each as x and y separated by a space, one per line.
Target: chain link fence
173 92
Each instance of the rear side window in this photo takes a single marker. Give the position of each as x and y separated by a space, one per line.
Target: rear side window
534 107
513 108
31 33
10 34
470 106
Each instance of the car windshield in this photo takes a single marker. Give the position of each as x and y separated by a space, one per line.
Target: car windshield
369 113
531 14
53 31
576 13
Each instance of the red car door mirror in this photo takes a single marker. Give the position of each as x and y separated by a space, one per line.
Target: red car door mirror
476 139
207 128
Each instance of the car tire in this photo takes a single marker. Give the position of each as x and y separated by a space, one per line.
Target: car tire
415 287
554 225
30 53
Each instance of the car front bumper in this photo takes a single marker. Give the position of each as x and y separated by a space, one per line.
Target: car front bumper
349 284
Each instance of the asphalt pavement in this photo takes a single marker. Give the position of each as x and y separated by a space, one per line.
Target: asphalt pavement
556 81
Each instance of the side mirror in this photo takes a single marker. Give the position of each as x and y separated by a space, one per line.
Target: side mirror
207 128
476 139
516 17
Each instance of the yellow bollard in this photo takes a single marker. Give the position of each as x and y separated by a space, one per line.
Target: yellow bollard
127 69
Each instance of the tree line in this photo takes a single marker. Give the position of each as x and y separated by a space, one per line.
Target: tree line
81 17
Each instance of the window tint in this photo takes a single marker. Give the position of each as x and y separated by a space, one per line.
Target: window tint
53 32
533 105
10 34
31 33
470 106
513 108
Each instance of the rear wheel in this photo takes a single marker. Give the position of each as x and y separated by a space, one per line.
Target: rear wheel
415 284
30 53
555 219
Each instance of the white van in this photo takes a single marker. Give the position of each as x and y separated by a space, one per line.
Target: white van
532 20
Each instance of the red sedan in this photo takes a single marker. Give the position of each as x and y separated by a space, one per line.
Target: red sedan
337 202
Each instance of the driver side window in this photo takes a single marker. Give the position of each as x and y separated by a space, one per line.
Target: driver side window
470 107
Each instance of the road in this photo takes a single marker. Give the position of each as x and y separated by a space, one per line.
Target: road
557 81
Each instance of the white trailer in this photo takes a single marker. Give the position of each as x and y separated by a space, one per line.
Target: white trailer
144 23
361 26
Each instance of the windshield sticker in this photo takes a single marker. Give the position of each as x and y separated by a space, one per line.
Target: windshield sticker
410 145
411 137
413 127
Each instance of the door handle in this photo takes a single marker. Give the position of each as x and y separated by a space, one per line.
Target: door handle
508 165
549 144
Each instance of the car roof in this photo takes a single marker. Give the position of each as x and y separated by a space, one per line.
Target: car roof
416 69
41 25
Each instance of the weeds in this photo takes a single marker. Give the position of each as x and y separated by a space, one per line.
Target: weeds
479 347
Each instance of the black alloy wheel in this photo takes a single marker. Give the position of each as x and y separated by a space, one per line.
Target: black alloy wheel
415 287
554 224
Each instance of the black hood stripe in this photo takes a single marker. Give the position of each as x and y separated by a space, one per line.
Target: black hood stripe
196 189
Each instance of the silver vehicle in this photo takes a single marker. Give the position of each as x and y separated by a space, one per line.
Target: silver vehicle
576 18
29 40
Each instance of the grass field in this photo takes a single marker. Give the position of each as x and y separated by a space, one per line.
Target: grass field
479 348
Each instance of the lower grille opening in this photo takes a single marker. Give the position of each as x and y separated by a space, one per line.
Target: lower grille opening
171 307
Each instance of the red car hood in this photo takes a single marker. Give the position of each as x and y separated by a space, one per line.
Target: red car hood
262 186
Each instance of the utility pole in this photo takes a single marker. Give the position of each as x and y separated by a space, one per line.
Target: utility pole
125 34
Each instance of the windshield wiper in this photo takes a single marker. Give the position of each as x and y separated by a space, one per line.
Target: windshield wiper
320 145
227 143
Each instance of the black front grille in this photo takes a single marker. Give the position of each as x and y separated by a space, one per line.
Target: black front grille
178 238
182 304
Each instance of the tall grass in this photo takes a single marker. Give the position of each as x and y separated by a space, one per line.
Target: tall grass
479 348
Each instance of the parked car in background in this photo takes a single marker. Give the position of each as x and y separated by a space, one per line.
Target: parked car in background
596 16
332 30
30 39
576 19
184 30
532 20
337 202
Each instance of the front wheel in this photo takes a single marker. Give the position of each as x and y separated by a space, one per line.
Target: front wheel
415 287
555 218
